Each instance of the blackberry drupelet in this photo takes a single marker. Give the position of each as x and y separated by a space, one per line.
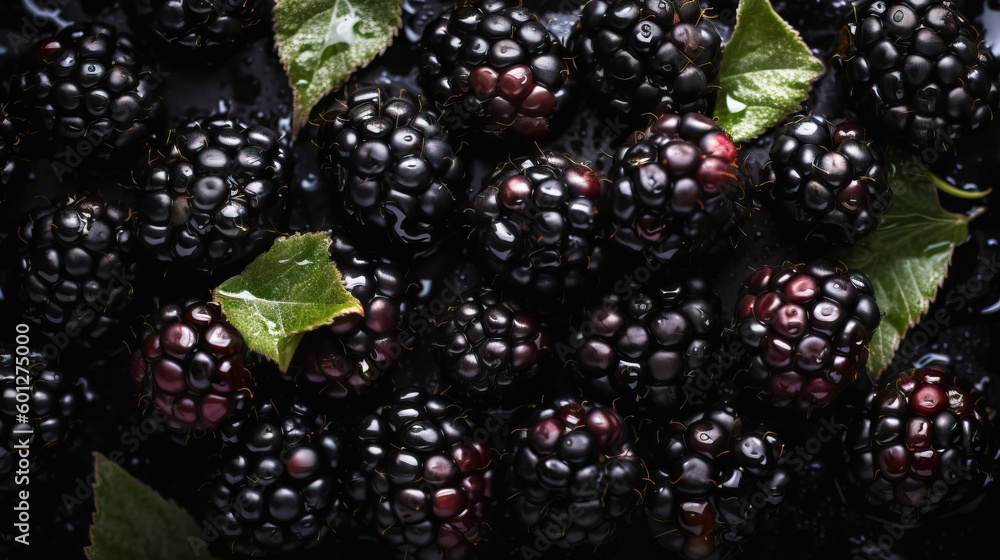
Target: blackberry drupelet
395 173
675 189
805 331
649 57
10 138
575 478
918 70
197 26
490 65
538 225
213 195
420 478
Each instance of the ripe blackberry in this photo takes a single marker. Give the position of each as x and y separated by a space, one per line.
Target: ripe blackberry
830 178
919 445
649 57
76 265
713 477
538 225
491 65
394 171
9 140
575 476
88 88
420 478
197 26
279 488
489 345
640 345
805 331
674 189
918 70
188 366
213 195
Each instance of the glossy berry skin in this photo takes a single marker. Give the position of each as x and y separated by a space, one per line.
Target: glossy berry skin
393 169
189 366
491 65
714 479
918 70
919 446
648 57
805 330
213 195
9 140
639 344
674 189
421 480
831 179
197 27
539 225
279 488
575 478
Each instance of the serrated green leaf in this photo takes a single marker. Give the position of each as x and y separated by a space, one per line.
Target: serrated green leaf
907 257
289 290
767 71
321 42
133 521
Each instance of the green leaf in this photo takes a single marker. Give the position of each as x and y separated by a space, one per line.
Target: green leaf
321 42
133 521
767 71
289 290
907 257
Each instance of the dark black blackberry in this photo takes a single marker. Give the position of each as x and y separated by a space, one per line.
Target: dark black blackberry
918 70
197 27
490 65
213 195
830 178
675 189
575 478
538 225
279 488
649 57
805 331
10 138
420 477
395 174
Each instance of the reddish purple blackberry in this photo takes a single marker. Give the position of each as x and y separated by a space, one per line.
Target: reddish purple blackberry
213 195
920 444
674 189
831 179
538 225
918 70
395 174
575 478
805 331
197 27
490 65
421 479
640 345
649 57
714 478
189 366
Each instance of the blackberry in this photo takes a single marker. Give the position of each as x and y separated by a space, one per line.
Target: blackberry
76 266
538 225
575 477
197 27
394 171
10 138
188 366
643 343
213 195
491 65
489 345
420 478
805 331
714 477
89 89
830 178
649 57
918 446
918 70
674 189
